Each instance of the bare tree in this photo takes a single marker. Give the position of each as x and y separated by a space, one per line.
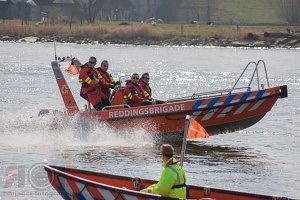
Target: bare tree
196 9
211 4
91 8
202 10
290 10
168 10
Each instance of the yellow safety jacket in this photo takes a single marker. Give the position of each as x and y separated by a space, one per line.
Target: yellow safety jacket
171 182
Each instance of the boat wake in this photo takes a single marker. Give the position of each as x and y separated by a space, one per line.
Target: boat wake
61 131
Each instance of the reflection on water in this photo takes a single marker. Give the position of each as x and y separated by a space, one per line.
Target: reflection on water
251 160
205 155
219 152
198 154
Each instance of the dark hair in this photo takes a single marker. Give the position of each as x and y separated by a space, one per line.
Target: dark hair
104 61
134 74
167 150
94 58
145 74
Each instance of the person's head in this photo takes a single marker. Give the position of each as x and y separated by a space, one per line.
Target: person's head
104 65
135 78
76 63
92 61
167 151
145 77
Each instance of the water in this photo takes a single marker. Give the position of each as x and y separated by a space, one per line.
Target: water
261 159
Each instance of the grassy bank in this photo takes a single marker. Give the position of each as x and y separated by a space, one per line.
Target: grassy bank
138 33
249 12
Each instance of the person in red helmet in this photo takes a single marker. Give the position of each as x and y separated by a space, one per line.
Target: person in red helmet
108 82
133 94
90 85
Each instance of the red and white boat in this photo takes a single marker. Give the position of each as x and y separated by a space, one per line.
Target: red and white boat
217 111
74 184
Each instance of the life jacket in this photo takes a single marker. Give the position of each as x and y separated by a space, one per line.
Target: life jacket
107 82
117 97
172 172
86 76
145 86
133 94
179 190
89 90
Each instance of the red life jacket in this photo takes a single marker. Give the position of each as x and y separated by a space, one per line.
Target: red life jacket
107 82
87 77
145 86
133 94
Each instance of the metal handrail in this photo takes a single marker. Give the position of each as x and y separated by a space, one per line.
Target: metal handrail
123 79
257 64
206 94
267 77
116 106
233 89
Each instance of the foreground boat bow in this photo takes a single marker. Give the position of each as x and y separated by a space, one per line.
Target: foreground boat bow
78 184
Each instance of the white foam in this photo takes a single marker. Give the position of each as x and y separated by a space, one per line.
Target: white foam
49 131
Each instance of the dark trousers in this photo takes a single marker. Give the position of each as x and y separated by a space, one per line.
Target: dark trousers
83 95
159 101
99 106
106 102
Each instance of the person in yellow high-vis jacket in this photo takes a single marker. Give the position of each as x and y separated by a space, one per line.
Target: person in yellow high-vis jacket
172 180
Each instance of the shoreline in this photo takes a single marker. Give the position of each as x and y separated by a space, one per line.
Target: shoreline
135 33
283 43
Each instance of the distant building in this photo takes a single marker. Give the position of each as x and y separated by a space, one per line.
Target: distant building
4 6
57 9
17 9
37 9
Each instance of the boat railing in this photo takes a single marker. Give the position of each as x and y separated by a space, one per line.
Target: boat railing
123 80
210 94
257 64
116 106
234 89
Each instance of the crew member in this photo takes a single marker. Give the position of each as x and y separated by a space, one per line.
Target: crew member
107 82
144 83
90 85
133 94
172 180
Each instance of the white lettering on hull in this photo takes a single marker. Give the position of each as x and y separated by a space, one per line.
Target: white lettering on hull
141 111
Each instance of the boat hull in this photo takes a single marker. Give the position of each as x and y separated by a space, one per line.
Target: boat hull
218 114
78 184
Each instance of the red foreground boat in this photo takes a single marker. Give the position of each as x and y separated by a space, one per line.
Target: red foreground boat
217 111
74 184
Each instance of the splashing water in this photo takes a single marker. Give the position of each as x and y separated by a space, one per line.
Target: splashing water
63 132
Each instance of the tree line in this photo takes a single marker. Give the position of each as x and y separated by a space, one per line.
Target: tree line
174 10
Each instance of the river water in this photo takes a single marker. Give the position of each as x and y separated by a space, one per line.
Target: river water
262 159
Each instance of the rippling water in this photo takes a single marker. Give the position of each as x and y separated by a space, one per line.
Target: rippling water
260 159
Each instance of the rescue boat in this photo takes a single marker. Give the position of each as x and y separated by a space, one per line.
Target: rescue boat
79 184
218 112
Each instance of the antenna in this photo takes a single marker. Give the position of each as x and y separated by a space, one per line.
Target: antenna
70 51
55 57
